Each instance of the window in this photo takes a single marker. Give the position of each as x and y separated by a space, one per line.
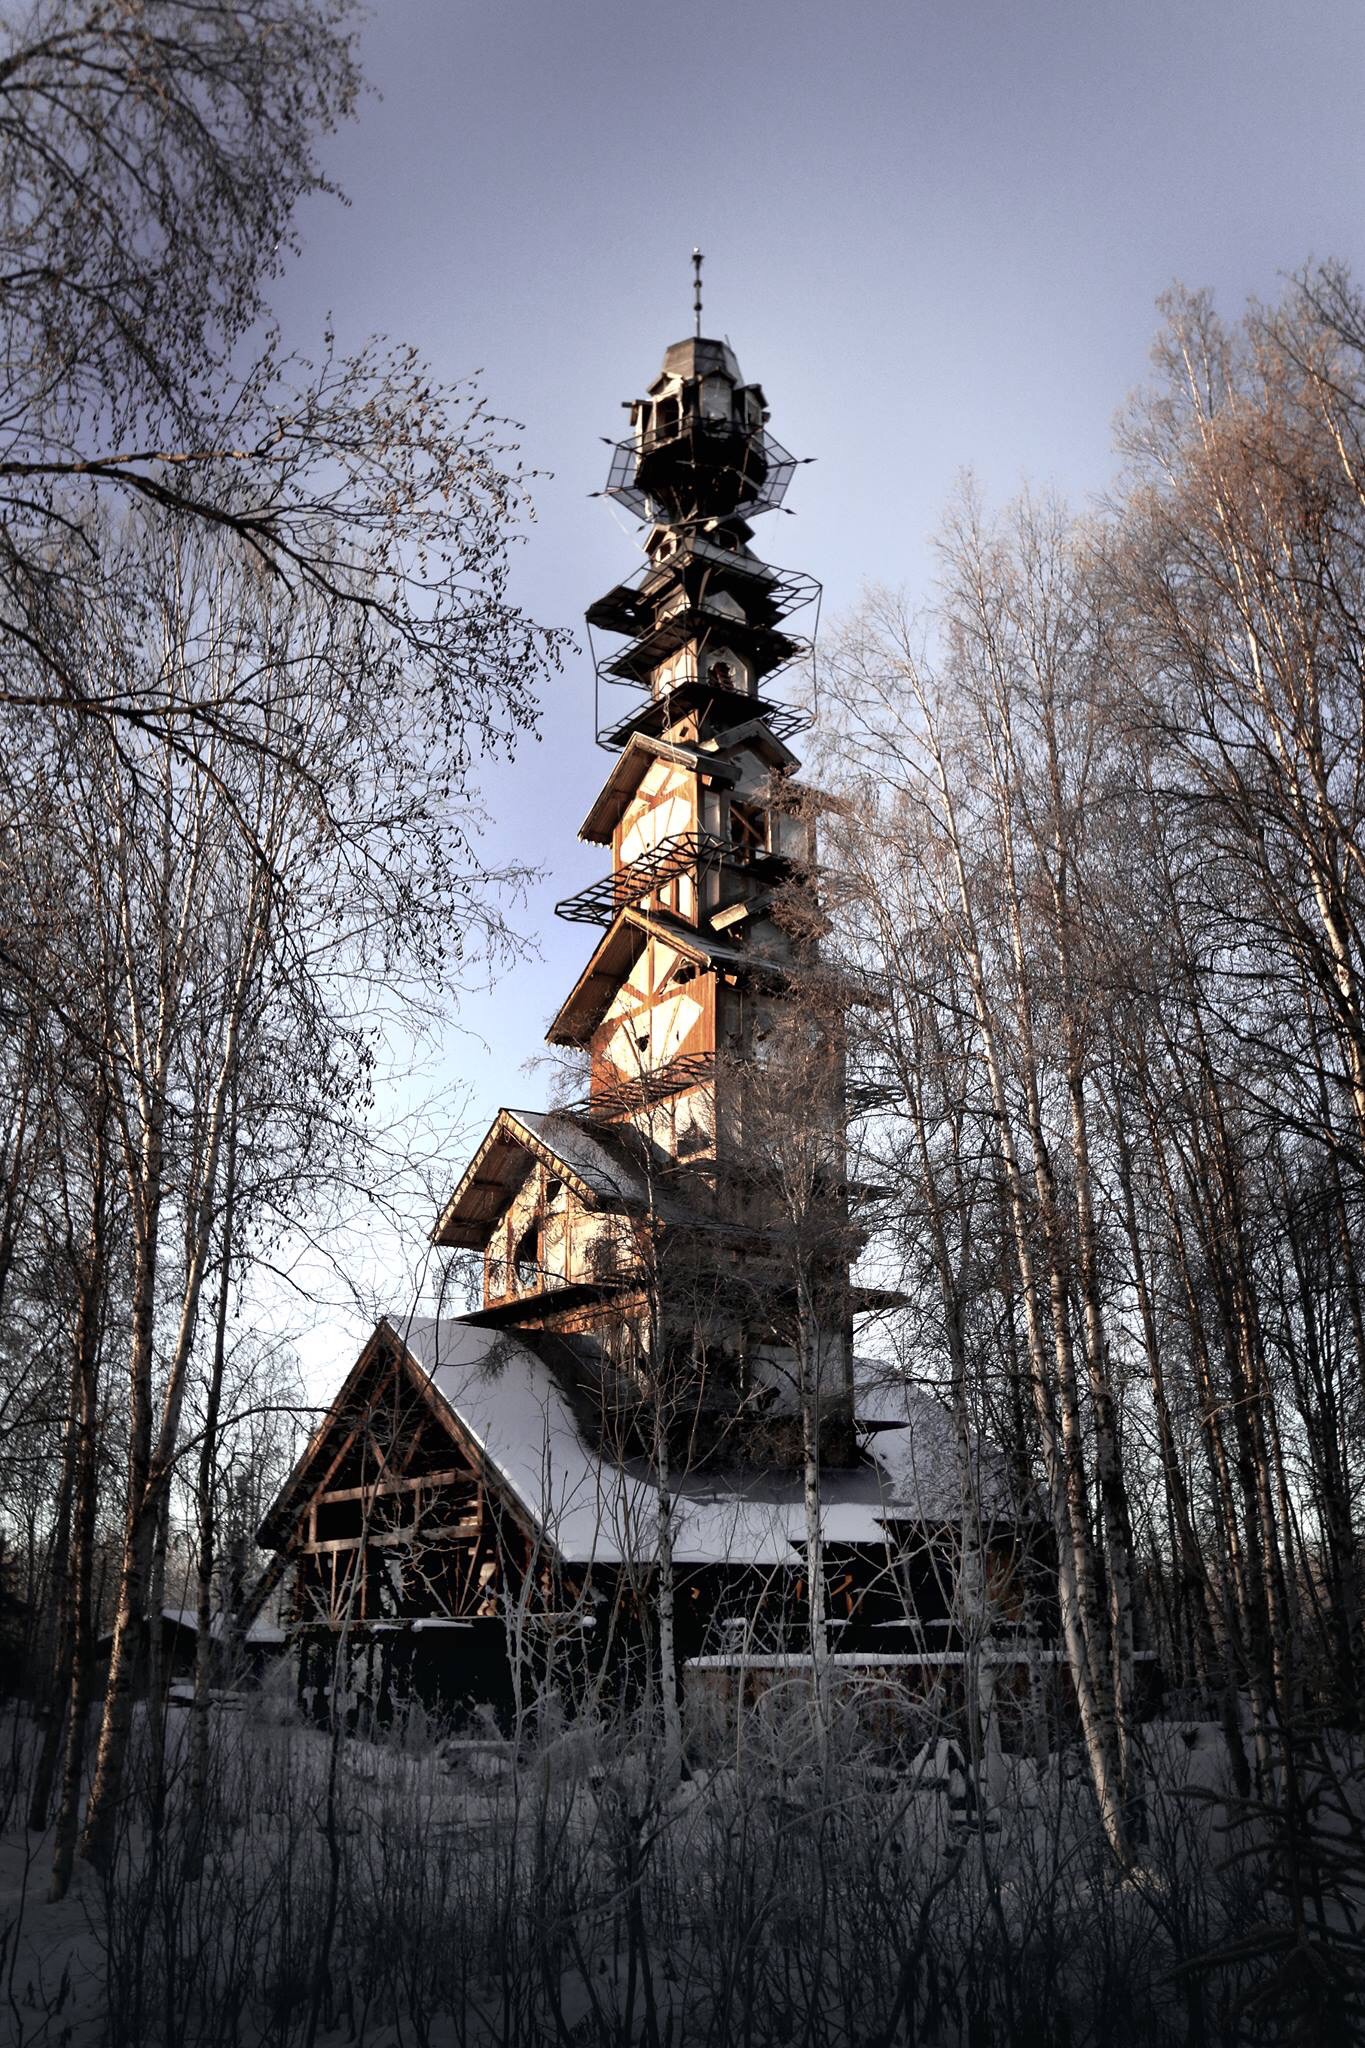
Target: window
748 828
528 1256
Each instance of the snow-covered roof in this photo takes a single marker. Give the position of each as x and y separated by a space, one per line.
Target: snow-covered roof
590 1508
599 1172
267 1634
916 1447
611 1176
260 1632
593 1508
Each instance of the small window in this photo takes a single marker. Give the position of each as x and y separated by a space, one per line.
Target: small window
748 828
528 1257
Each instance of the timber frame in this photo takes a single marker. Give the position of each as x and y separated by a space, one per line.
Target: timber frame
637 1264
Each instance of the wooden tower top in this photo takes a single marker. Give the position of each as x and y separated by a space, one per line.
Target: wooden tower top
693 971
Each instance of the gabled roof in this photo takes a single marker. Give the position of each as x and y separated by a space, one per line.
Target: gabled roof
628 771
596 1171
758 736
500 1398
507 1399
378 1349
617 952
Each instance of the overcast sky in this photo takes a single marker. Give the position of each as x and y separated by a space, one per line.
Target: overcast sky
935 231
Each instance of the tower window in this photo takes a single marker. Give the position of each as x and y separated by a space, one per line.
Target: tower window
722 674
528 1259
748 828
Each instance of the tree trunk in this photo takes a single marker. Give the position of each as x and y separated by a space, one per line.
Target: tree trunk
808 1367
57 1692
207 1478
84 1503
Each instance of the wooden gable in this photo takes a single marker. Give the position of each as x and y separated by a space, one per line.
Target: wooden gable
490 1182
393 1513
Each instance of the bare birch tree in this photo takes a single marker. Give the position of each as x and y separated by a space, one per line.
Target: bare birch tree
243 920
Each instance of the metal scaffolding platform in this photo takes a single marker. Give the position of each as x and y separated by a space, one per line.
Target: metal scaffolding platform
684 853
697 570
620 1095
655 713
709 634
725 464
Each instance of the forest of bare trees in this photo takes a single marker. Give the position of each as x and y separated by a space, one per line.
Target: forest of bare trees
1103 856
256 636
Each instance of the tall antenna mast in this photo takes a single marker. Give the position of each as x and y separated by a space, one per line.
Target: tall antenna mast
697 261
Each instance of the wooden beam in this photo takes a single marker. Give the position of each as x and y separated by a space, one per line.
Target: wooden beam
451 1477
409 1538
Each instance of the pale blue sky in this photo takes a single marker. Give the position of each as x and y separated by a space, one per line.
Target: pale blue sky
934 231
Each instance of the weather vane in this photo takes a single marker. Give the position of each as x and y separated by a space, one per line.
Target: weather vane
697 260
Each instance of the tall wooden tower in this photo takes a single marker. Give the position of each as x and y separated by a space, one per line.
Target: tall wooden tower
658 1217
662 1359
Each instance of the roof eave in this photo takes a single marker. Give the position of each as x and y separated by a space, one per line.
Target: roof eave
582 1011
276 1514
574 1021
472 1232
628 770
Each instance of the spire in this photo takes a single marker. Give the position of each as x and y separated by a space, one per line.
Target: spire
697 260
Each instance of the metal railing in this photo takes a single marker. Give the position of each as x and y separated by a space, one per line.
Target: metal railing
618 1095
783 721
749 470
684 853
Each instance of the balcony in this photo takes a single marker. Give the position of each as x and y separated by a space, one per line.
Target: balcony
698 568
700 468
685 853
784 721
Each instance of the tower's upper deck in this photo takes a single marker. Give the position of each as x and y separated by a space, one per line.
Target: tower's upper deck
704 616
699 446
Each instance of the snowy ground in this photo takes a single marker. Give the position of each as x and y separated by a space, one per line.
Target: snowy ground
437 1893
